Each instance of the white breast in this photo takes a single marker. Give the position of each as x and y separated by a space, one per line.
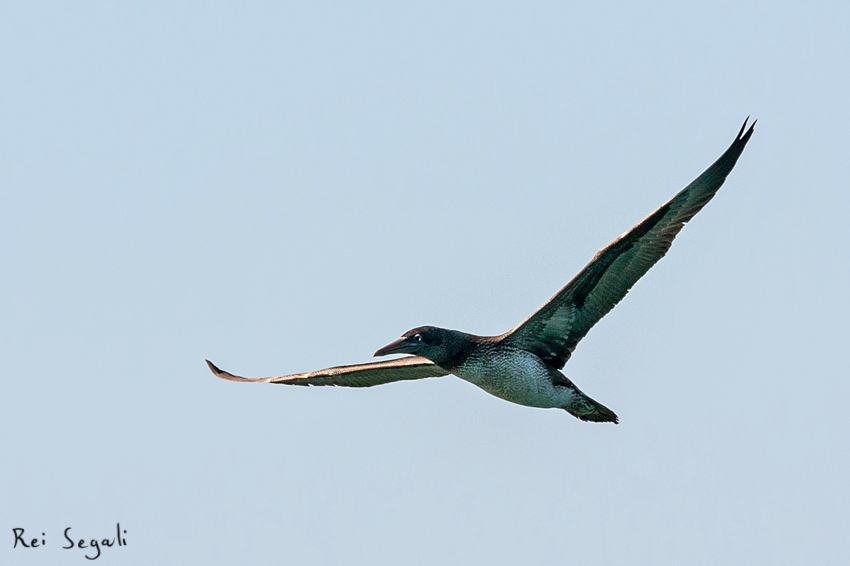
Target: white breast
517 376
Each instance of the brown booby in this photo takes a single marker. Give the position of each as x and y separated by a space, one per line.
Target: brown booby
522 365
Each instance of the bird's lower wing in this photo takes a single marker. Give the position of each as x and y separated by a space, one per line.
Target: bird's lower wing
556 328
361 375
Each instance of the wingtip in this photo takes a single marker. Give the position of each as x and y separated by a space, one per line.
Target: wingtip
744 137
747 119
218 372
213 368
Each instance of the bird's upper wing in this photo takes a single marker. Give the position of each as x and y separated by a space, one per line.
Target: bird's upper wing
556 328
361 375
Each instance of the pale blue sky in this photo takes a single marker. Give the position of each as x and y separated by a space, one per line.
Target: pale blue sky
281 189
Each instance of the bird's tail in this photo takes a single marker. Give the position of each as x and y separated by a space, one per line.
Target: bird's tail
586 409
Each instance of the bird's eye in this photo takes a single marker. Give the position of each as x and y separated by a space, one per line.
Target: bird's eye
418 337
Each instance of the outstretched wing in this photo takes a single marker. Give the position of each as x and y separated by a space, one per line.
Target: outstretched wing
557 327
361 375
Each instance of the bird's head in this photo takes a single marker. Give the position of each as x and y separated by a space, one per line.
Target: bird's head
426 341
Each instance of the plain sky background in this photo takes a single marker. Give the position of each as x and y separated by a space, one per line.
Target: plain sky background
282 188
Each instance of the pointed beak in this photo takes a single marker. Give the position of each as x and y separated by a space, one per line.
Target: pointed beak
397 347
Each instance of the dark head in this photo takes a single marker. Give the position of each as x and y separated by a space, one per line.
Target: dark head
439 345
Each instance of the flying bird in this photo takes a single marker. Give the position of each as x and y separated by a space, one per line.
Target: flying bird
522 365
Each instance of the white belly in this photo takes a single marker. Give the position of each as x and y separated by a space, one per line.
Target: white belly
523 379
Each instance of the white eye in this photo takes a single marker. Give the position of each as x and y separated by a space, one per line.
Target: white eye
418 338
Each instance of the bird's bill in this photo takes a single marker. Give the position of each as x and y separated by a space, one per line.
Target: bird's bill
400 346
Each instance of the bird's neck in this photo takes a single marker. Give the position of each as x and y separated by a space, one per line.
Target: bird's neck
457 348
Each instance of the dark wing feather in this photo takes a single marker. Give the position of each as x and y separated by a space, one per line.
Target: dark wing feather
557 327
361 375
